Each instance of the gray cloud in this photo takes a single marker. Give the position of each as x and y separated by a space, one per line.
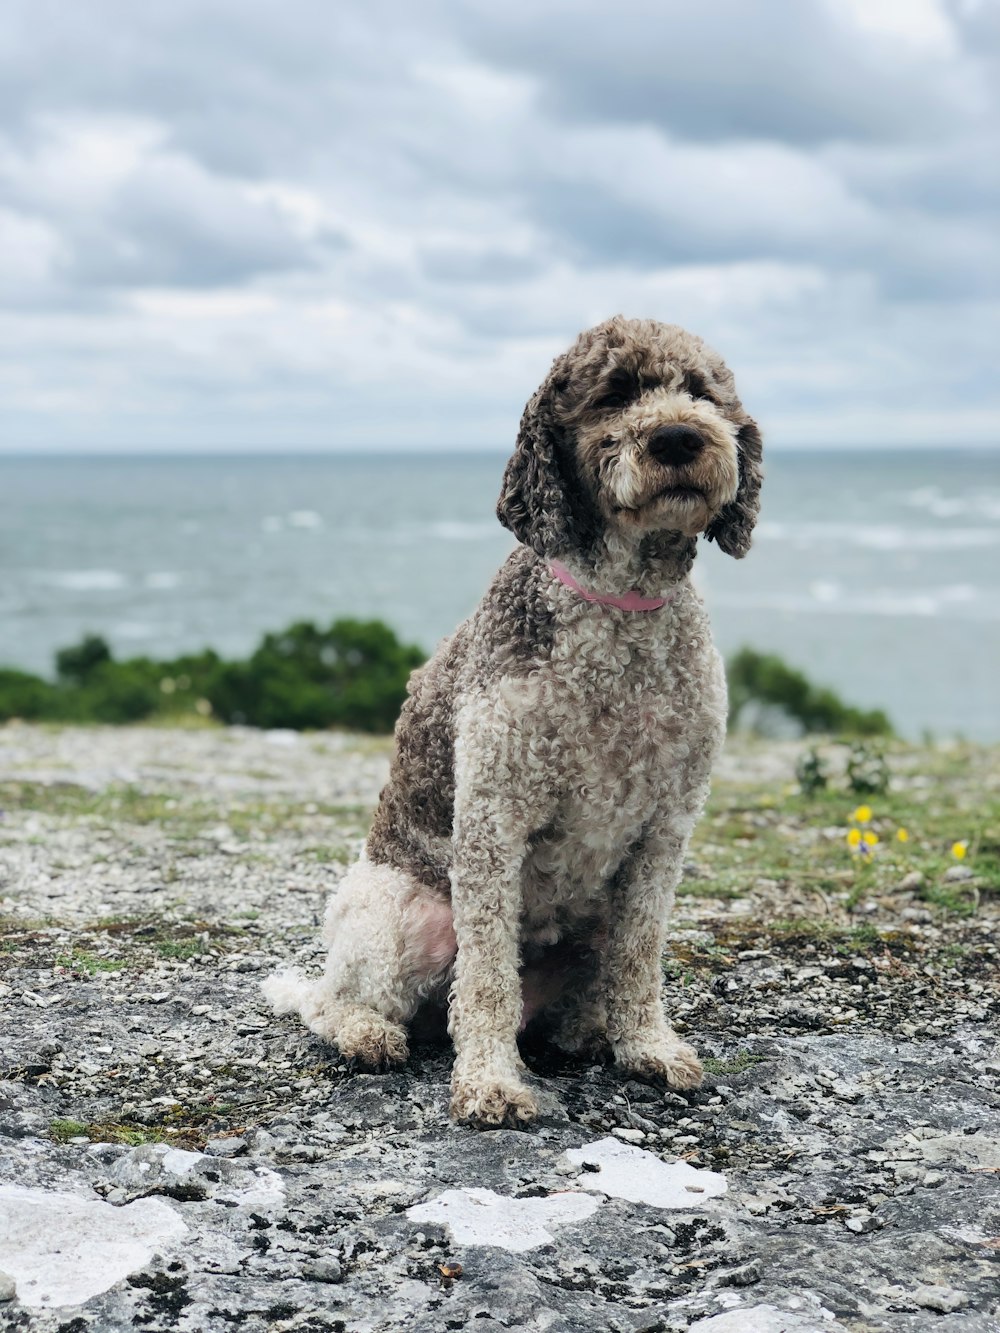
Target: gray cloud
735 69
346 219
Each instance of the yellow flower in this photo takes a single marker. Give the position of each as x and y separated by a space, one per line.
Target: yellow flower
862 814
853 837
958 850
902 835
870 838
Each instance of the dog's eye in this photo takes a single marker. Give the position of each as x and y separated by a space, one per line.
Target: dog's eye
619 393
697 386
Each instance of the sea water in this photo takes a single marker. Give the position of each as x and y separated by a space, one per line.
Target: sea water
875 572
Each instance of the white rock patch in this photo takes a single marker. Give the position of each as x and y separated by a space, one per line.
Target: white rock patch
761 1319
153 1167
627 1172
481 1217
63 1250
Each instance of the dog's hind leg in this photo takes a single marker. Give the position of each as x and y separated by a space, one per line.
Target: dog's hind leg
391 943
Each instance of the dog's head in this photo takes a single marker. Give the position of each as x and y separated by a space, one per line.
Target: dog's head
637 429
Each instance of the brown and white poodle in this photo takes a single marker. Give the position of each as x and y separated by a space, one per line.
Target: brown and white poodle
554 755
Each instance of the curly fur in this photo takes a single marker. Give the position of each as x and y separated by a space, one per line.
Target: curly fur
554 755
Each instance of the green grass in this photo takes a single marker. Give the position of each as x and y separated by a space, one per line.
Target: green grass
108 1132
768 831
187 821
340 856
83 960
180 950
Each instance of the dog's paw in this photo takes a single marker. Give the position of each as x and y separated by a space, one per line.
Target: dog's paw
372 1045
667 1060
492 1103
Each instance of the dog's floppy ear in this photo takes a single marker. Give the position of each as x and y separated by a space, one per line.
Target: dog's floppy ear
540 503
734 525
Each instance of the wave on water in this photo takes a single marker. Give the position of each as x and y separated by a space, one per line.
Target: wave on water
879 537
983 504
452 530
144 629
82 580
303 519
959 601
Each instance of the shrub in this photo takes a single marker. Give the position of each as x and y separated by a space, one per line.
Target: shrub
867 770
811 772
763 680
353 674
115 692
77 663
26 696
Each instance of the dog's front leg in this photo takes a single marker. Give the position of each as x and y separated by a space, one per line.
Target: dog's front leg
642 1040
495 810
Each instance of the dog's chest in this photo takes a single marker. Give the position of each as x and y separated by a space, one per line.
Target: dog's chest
616 743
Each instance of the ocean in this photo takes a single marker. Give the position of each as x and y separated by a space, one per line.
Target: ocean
874 572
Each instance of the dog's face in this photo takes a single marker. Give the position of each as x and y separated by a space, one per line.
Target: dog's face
637 429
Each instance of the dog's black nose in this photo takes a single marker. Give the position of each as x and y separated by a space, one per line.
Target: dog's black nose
675 444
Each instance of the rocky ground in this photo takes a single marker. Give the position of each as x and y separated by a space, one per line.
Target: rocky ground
174 1157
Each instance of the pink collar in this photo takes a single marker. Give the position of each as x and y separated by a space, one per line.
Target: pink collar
632 601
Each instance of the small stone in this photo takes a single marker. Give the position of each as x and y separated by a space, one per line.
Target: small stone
747 1275
943 1299
912 881
861 1225
324 1270
231 1147
8 1288
630 1135
758 1204
957 874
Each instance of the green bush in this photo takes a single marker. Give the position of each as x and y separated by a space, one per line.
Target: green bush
27 696
757 679
353 674
867 770
77 663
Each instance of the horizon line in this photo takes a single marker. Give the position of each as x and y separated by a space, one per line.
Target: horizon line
444 451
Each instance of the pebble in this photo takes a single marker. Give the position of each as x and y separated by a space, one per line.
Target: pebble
324 1270
747 1275
957 875
630 1135
8 1288
912 881
943 1299
231 1147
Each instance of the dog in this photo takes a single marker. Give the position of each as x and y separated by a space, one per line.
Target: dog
553 756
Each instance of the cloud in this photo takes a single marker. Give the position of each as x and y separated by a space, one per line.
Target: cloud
236 224
795 71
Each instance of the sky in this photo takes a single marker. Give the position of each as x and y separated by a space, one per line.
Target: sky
237 225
